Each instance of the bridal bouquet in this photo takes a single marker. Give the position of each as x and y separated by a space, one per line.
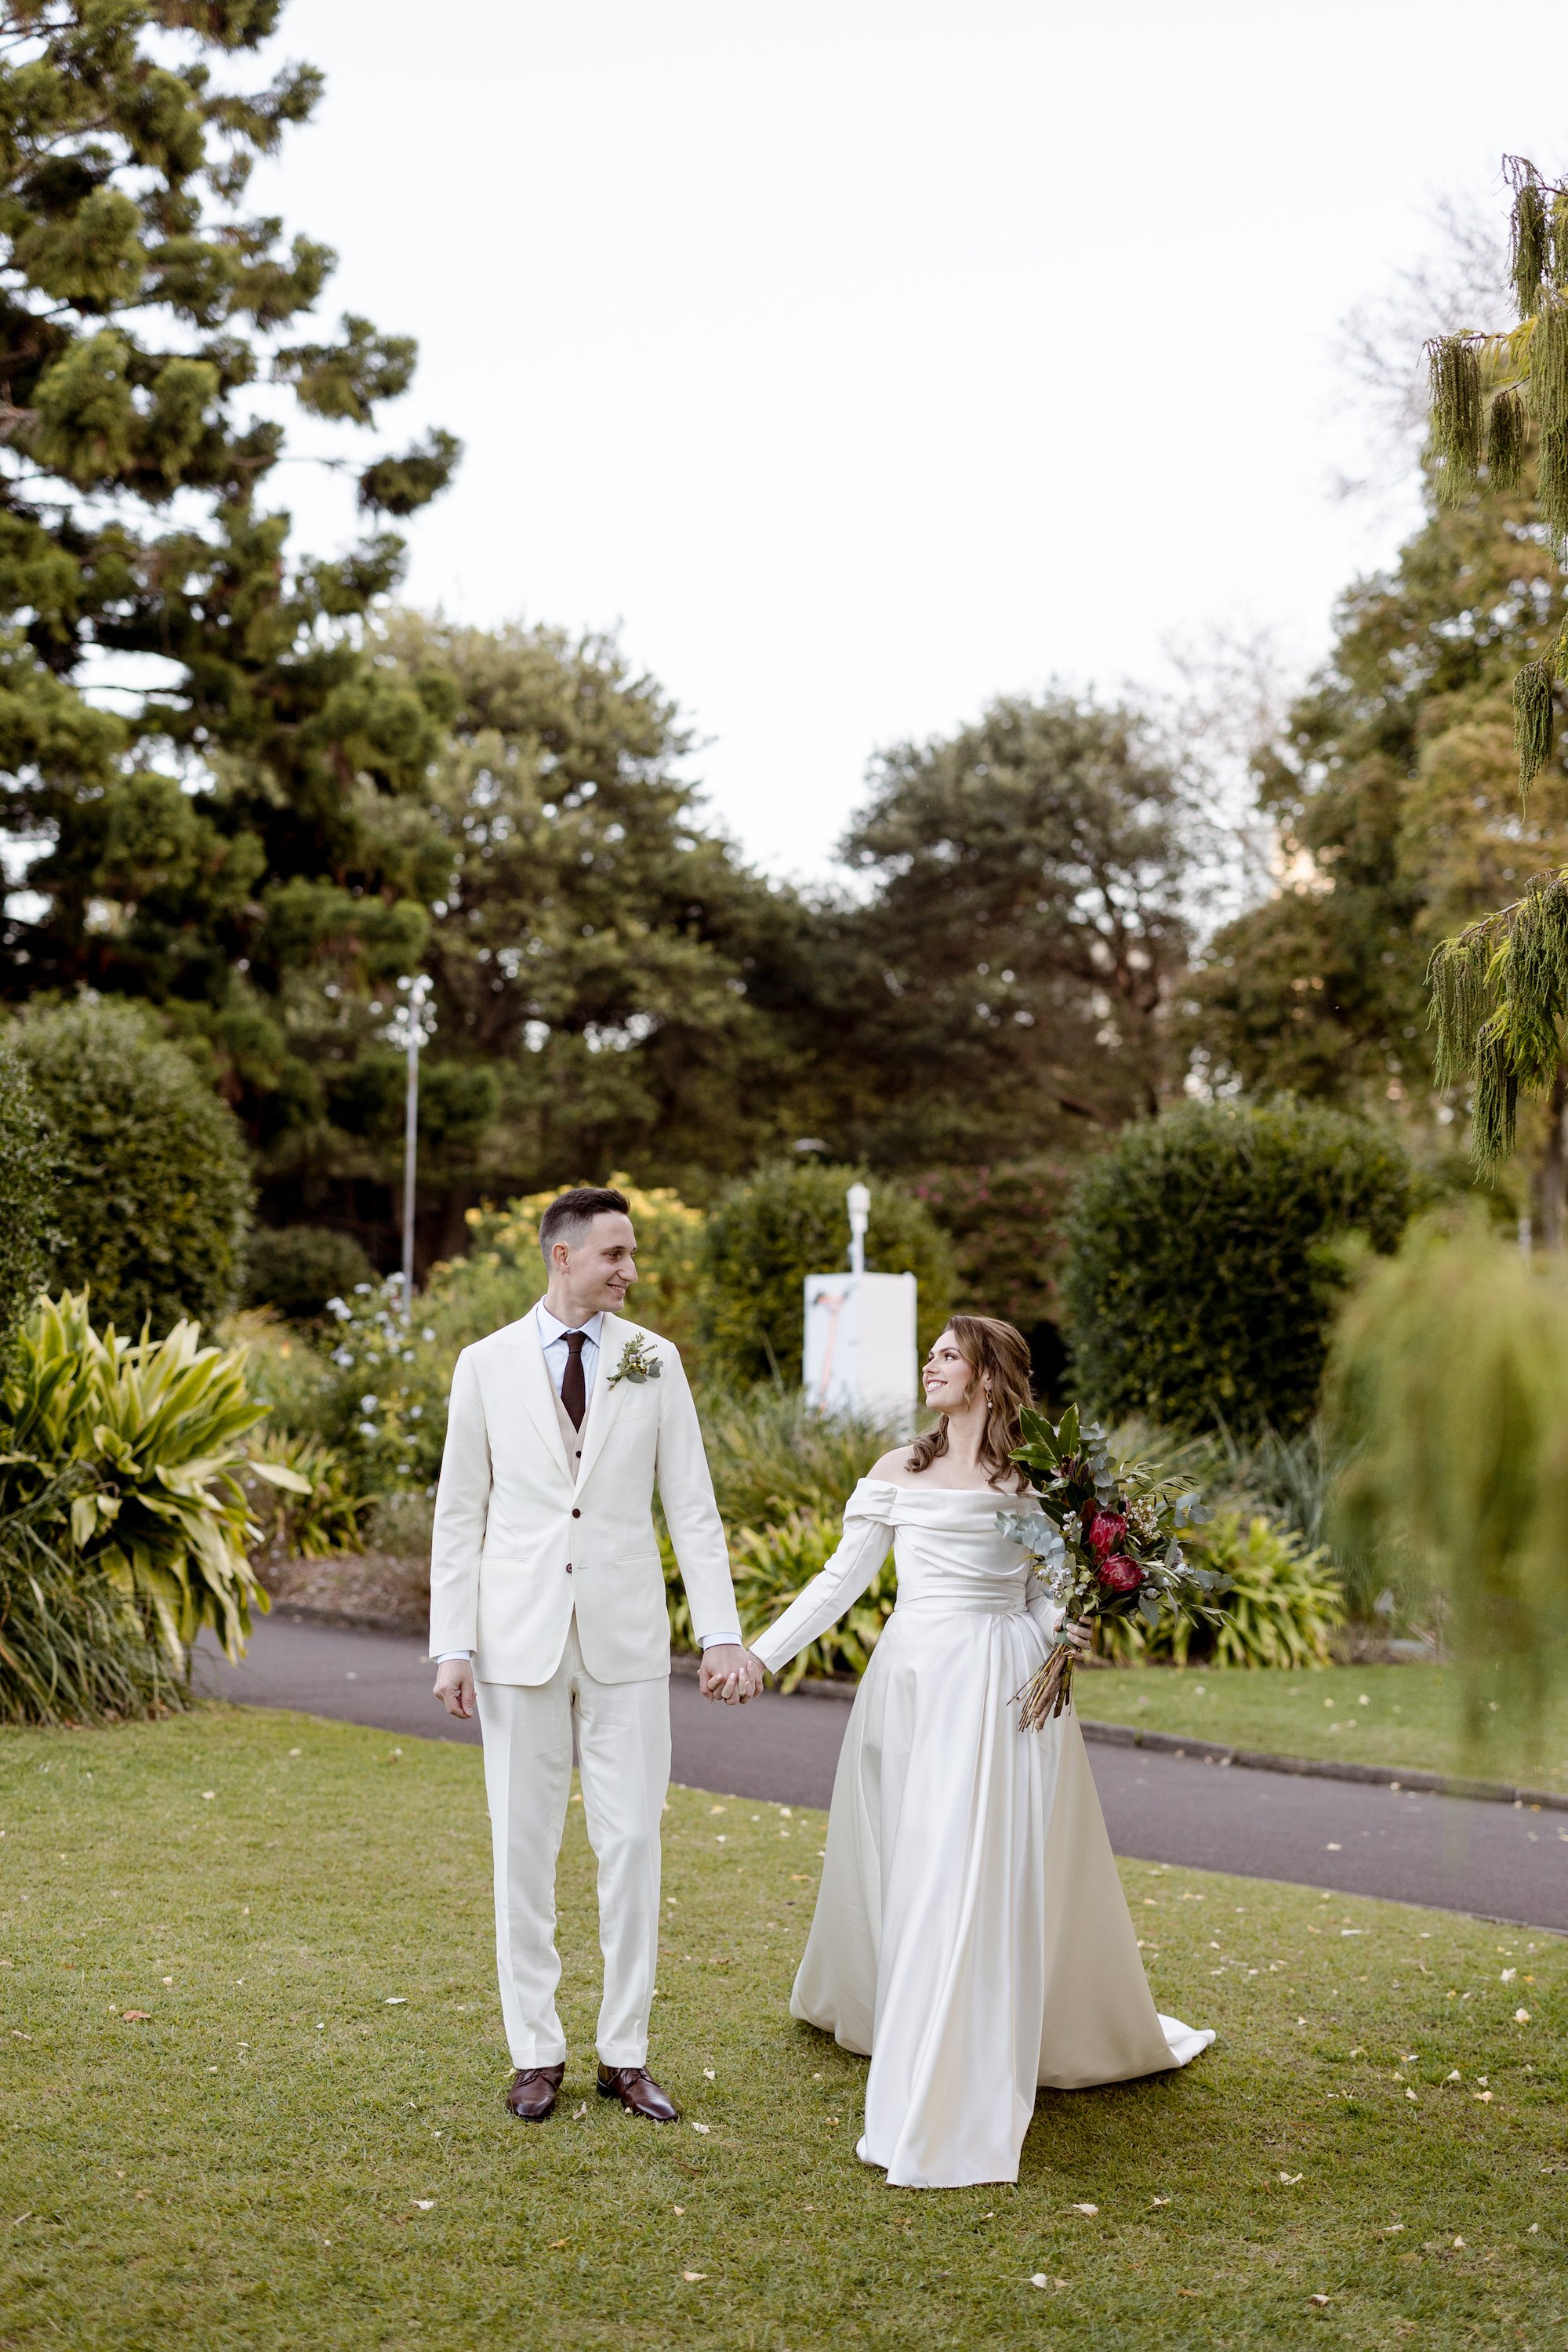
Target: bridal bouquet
1109 1545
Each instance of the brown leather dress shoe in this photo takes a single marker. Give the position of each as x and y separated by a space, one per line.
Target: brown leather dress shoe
533 2091
637 2093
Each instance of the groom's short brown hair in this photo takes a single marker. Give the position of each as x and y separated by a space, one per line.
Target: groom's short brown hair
568 1218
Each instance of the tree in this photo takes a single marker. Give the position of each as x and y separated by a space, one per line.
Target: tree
147 1173
602 957
227 842
1499 989
1006 986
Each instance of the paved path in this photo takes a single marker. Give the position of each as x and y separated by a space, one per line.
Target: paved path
1450 1852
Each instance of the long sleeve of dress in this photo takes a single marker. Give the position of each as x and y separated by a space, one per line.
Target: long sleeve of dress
1046 1613
862 1549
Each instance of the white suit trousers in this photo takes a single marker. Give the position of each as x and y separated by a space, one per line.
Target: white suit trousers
623 1746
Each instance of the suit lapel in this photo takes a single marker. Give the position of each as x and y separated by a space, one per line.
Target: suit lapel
525 1359
606 1400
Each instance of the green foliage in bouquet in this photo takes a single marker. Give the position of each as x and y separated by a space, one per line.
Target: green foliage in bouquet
149 1175
123 1457
1209 1250
762 1238
1108 1536
1450 1370
1281 1603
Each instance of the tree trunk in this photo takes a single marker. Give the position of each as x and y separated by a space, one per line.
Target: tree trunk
1552 1176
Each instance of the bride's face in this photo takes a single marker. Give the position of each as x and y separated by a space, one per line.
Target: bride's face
948 1377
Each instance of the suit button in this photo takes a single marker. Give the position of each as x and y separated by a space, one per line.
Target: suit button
568 1568
576 1514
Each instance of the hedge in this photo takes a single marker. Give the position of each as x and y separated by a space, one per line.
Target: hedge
1206 1251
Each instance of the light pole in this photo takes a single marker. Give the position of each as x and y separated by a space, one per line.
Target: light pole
413 1025
858 1197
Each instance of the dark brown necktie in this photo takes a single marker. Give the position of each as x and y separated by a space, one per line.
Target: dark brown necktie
573 1394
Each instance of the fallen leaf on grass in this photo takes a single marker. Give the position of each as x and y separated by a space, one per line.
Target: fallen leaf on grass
136 2016
424 2204
1290 2179
691 2277
703 2128
1522 2017
1319 2300
1090 2209
578 2113
555 2245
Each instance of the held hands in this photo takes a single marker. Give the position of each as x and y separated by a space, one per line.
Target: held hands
454 1687
730 1674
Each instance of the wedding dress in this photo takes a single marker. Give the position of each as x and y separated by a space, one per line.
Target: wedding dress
971 1934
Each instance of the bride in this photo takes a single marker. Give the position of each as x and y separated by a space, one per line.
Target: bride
971 1933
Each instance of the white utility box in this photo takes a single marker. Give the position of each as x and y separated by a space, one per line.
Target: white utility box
859 1354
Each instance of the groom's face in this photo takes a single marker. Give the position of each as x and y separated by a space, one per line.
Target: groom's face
603 1267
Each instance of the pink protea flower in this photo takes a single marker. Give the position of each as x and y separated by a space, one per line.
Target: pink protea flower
1121 1574
1105 1531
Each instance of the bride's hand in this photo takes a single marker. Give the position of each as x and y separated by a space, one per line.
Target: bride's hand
1080 1636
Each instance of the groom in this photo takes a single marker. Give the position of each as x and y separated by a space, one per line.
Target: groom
547 1610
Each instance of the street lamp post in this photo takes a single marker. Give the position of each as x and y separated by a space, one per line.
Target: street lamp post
413 1025
858 1197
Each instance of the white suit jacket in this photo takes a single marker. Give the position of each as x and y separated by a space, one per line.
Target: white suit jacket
519 1543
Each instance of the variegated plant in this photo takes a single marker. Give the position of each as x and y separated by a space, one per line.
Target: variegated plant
142 1443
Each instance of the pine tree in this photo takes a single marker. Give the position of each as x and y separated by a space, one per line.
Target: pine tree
224 841
1499 988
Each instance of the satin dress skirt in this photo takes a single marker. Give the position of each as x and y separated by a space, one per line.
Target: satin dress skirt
971 1934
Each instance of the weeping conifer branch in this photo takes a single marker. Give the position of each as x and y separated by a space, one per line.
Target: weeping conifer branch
1505 440
1534 721
1455 369
1499 1010
1530 241
1499 990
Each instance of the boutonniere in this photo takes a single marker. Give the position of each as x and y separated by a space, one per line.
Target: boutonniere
636 1364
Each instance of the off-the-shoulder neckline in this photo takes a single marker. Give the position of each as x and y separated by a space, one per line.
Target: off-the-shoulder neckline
906 1486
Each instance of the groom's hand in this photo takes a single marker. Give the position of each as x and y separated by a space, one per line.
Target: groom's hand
730 1674
454 1687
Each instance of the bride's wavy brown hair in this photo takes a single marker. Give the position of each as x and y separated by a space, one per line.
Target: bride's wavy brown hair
994 1349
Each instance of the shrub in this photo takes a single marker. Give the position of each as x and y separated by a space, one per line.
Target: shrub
297 1268
122 1457
1450 1378
1283 1605
1005 1225
24 1194
764 1237
771 1453
74 1647
152 1185
322 1516
1206 1250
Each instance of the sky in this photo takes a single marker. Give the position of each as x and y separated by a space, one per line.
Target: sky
859 360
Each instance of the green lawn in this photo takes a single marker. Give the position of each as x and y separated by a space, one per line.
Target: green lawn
301 2143
1396 1716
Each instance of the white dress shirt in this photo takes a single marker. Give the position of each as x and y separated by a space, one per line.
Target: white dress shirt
552 1340
552 1344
